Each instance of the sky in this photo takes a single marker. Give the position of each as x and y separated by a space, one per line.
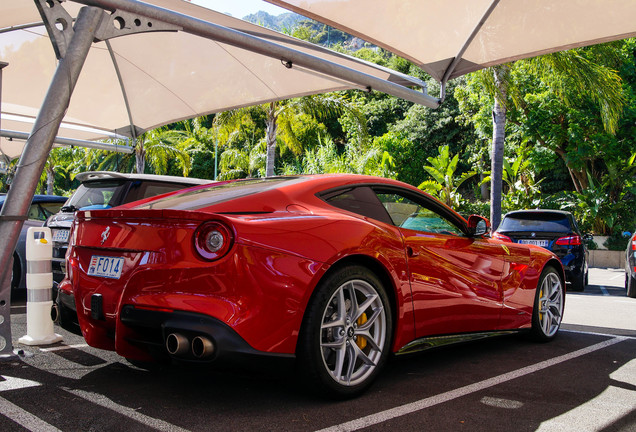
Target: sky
240 8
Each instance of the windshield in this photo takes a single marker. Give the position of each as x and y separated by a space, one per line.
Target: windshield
95 195
542 222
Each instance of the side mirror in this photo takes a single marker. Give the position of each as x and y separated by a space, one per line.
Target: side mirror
478 226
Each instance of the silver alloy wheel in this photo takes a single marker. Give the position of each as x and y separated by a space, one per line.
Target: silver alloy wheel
352 332
550 304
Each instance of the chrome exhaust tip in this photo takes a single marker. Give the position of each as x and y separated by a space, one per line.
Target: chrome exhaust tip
177 344
202 347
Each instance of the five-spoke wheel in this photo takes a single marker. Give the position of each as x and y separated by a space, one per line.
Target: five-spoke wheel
548 306
347 331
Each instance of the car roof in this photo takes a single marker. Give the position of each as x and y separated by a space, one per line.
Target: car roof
49 198
38 198
102 175
530 211
295 188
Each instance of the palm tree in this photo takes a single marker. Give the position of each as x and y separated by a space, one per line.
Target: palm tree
281 119
561 72
500 75
281 115
157 147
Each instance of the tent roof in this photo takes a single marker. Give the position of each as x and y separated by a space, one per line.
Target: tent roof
432 33
161 77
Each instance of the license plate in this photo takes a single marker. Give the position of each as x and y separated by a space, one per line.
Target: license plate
103 266
60 236
542 243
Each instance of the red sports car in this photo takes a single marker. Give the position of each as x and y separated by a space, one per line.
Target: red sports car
336 271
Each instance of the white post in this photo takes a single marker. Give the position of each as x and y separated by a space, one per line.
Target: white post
39 279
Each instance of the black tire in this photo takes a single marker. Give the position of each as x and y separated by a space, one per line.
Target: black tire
630 285
579 283
16 273
364 335
549 303
67 319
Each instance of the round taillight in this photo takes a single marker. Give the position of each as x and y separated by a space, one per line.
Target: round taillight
213 240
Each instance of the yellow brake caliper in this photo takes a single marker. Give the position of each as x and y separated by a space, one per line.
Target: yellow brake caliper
540 306
361 341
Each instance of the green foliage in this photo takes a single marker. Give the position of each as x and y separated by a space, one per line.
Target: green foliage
235 164
445 184
576 116
328 158
616 242
570 135
162 145
427 130
522 189
467 208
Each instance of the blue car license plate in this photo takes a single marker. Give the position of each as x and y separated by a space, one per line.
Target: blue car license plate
543 243
103 266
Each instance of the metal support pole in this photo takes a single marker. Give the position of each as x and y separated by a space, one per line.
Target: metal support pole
46 126
6 349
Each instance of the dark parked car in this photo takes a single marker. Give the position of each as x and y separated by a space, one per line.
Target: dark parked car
630 267
555 230
42 206
102 190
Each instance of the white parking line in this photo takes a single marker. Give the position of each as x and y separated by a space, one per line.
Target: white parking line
63 347
126 411
24 418
603 411
9 383
596 334
412 407
604 290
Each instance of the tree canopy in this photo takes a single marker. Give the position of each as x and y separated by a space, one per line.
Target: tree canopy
568 140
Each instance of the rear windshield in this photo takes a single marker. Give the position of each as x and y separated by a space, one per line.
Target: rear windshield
97 195
546 222
206 197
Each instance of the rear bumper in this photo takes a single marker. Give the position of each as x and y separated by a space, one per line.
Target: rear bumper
574 273
574 265
147 330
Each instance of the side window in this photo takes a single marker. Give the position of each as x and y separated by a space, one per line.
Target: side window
34 212
41 211
48 209
409 214
359 200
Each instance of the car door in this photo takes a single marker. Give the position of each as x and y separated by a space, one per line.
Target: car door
455 279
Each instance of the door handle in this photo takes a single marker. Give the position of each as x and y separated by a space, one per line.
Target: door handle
410 252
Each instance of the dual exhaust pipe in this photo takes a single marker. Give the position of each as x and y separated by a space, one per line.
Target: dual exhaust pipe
179 345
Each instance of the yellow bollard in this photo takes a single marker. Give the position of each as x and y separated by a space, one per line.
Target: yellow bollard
39 280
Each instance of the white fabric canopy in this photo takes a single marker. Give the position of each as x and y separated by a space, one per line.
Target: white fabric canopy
151 79
431 33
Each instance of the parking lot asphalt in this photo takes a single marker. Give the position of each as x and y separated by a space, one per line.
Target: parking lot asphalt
584 380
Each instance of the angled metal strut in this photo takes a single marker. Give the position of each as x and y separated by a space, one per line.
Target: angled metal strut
289 57
71 45
37 149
